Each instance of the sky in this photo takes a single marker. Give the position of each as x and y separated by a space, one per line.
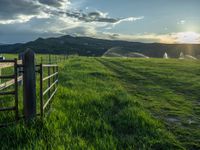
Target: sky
163 21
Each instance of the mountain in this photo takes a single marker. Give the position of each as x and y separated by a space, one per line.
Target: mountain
86 46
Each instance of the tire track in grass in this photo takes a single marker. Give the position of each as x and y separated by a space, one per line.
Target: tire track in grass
126 79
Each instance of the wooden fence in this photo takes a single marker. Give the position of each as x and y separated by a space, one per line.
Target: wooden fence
25 72
14 79
51 85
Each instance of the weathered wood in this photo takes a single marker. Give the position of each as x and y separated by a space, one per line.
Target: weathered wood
49 99
49 65
49 59
19 62
57 76
16 90
49 88
49 82
29 85
52 75
41 91
49 79
20 70
9 83
6 65
52 87
41 59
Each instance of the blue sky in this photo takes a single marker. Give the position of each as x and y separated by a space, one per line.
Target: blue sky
166 21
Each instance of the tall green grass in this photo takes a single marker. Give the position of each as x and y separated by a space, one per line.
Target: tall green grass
168 89
105 104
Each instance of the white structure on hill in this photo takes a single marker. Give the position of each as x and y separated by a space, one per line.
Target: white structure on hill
182 56
190 57
165 56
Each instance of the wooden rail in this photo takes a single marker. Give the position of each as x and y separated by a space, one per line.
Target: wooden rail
51 85
6 65
26 71
9 63
14 81
9 83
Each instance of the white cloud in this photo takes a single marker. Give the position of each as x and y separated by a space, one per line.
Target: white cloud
187 37
171 38
129 19
181 22
20 19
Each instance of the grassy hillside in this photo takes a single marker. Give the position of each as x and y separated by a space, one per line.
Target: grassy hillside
109 103
86 46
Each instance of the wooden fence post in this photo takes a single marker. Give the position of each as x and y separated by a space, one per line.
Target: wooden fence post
16 90
41 59
0 69
49 59
0 75
20 57
29 86
41 91
49 80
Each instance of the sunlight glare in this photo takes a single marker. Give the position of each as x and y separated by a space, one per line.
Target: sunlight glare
188 37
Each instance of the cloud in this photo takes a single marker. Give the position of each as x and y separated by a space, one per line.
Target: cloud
187 37
55 3
19 11
22 11
98 16
11 9
171 38
42 18
129 19
181 22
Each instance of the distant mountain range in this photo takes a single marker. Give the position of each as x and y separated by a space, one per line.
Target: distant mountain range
86 46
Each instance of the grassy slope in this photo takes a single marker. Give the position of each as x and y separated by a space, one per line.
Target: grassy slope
105 104
169 89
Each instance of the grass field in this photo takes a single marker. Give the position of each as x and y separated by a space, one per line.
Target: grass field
116 103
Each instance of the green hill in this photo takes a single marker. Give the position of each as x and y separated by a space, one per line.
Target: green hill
85 46
114 103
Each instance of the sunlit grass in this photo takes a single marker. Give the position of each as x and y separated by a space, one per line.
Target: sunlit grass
117 104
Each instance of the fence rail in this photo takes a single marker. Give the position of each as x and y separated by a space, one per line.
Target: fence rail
53 84
14 81
9 63
10 82
25 71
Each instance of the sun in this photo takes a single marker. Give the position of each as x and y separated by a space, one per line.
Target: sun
188 37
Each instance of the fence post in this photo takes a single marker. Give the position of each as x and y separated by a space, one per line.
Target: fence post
16 90
41 90
49 80
0 74
29 86
20 57
49 59
41 59
0 69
